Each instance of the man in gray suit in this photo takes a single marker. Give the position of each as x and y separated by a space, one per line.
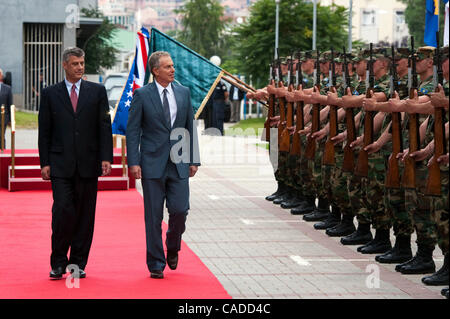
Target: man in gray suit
162 149
6 100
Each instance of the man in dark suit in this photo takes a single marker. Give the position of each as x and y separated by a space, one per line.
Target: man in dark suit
162 150
6 100
75 147
236 95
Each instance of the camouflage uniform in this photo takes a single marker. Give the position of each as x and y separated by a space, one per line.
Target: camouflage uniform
354 187
339 178
417 203
374 184
440 212
395 199
302 174
439 204
281 173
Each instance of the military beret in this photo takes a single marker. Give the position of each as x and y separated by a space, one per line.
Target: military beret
380 53
425 52
402 53
310 55
350 57
325 56
357 55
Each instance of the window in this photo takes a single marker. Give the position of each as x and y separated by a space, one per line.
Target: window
399 17
368 17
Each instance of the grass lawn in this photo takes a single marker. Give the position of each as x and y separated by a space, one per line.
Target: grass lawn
246 127
26 120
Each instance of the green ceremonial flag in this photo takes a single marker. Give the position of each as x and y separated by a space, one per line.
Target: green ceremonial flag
191 69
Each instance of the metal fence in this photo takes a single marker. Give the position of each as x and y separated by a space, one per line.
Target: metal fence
43 47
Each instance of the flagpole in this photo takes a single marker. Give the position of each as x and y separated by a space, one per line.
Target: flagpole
350 24
241 87
314 24
211 90
238 80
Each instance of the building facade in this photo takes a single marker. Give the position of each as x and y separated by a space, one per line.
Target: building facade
33 35
377 21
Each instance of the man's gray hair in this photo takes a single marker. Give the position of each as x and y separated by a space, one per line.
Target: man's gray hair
154 59
72 51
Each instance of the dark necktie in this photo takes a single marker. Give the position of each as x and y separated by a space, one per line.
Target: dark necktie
166 108
74 98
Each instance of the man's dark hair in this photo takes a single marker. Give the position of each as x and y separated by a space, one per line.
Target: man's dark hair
72 51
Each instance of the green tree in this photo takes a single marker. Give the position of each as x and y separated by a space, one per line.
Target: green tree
415 18
254 40
99 51
203 27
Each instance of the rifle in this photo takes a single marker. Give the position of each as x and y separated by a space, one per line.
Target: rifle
271 110
285 143
349 157
328 154
281 106
434 172
362 165
315 121
393 171
409 175
299 124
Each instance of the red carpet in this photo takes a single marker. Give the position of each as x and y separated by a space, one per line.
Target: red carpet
116 267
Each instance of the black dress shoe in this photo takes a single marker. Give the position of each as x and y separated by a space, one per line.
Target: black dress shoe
81 274
57 273
172 259
156 274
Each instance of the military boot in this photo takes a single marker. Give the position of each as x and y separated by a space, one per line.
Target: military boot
439 278
422 262
344 228
285 197
295 201
380 244
305 207
320 213
332 220
361 236
400 253
281 190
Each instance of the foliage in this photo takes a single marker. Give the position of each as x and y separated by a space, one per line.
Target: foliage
255 39
99 51
415 18
203 25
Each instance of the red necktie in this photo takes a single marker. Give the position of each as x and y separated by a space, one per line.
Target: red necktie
74 98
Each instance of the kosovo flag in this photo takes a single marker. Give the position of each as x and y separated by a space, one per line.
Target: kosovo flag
191 69
431 22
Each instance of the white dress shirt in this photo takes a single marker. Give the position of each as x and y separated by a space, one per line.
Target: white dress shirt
69 86
170 98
